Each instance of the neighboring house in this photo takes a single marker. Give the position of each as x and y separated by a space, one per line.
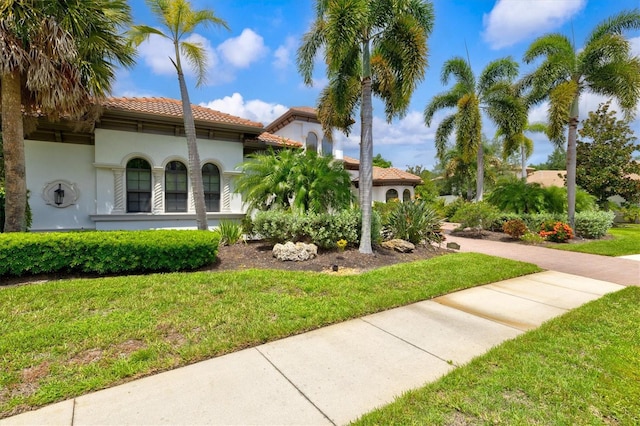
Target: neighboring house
547 178
301 124
130 169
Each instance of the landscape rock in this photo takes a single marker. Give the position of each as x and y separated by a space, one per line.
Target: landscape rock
296 252
454 246
399 245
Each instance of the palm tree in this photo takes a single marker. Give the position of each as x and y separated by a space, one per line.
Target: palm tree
59 57
370 47
294 180
180 20
522 143
470 96
604 66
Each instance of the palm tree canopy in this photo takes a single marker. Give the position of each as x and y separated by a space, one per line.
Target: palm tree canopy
469 96
565 72
180 20
396 33
78 45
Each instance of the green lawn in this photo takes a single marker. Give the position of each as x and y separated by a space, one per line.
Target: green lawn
65 338
625 241
578 369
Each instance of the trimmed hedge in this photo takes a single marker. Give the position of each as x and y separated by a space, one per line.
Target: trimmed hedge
106 252
594 224
324 230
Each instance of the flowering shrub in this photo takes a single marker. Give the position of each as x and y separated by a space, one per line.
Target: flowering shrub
515 228
558 232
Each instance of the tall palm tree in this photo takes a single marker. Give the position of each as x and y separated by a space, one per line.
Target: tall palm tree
370 47
470 96
59 57
180 20
604 66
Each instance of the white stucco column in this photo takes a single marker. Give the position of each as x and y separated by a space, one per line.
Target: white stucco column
158 192
226 194
338 152
118 191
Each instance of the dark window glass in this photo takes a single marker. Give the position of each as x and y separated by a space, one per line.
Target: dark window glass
406 196
392 194
326 146
175 187
138 186
312 142
211 183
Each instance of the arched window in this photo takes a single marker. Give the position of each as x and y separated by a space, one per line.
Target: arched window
211 183
312 142
326 146
175 187
406 196
392 194
138 186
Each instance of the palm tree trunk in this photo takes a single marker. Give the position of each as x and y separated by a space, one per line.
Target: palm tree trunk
366 155
523 162
571 162
195 169
480 177
13 151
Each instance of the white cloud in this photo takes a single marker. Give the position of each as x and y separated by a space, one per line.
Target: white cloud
512 21
243 50
635 46
157 52
255 110
282 55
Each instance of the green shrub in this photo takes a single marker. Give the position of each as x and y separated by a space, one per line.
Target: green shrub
480 215
106 252
517 196
631 213
230 232
452 208
535 221
515 228
532 238
499 222
594 224
556 200
415 222
324 229
558 232
385 209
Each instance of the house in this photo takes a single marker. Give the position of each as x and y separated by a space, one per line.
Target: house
546 178
130 169
302 124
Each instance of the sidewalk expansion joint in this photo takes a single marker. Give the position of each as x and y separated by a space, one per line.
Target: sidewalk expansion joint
408 342
296 387
73 412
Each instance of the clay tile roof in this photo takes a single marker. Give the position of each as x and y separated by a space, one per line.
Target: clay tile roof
271 139
393 174
306 109
173 108
350 161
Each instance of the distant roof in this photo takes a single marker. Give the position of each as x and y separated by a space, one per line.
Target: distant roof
547 177
301 113
275 140
173 108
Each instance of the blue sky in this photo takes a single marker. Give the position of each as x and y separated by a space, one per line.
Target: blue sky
253 74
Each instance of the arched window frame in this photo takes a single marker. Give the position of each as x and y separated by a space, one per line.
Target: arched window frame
327 146
391 194
176 187
406 196
211 187
311 142
139 185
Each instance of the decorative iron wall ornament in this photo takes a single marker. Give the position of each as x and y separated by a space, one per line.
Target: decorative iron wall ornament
60 193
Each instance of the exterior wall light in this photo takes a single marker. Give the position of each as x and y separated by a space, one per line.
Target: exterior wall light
58 195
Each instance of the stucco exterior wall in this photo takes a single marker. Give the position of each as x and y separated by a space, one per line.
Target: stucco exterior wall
51 161
298 131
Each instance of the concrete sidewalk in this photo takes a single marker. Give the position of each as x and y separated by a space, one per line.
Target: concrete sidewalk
335 374
619 270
